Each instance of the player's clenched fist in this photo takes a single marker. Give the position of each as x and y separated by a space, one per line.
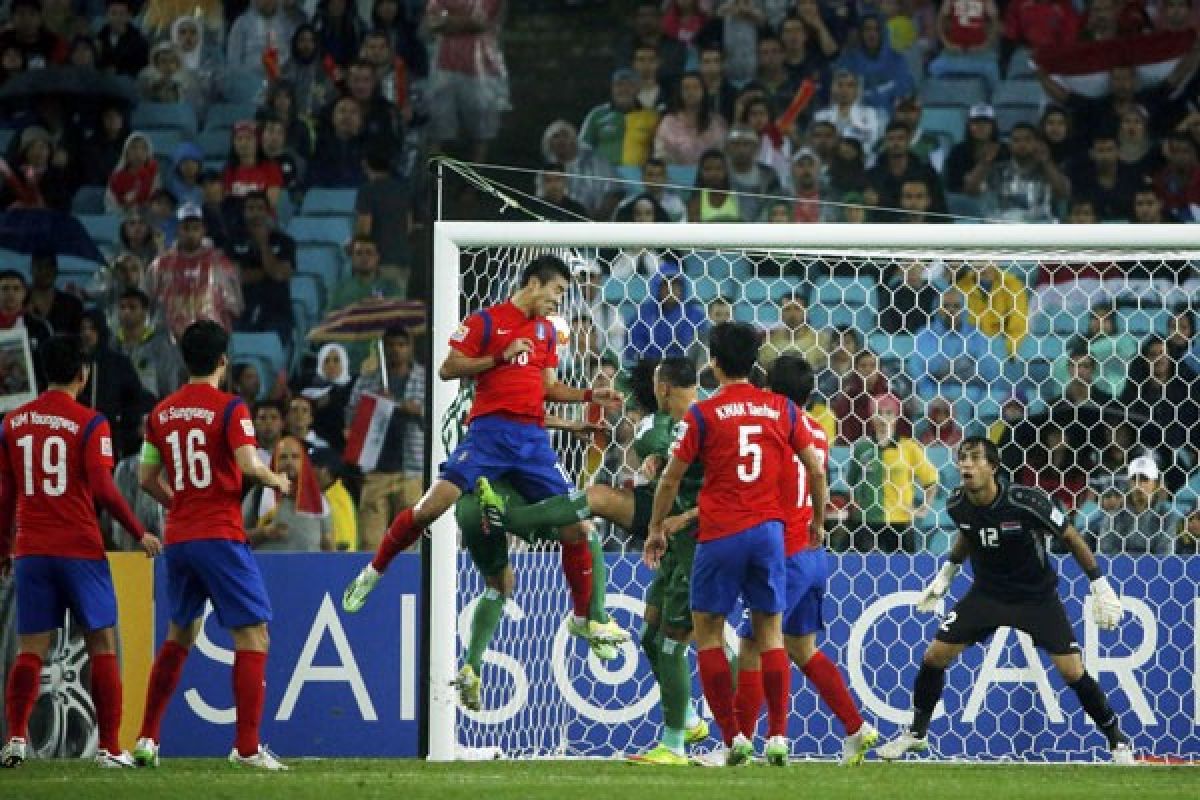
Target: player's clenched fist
281 482
516 347
151 545
656 545
608 399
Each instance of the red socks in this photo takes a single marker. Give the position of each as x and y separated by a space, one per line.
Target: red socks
164 677
825 676
749 699
399 537
777 684
249 689
577 566
717 680
21 693
106 696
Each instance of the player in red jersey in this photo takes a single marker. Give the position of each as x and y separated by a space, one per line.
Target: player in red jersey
510 350
56 459
199 443
791 376
745 437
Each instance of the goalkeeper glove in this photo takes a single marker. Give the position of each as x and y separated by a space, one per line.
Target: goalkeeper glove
937 590
1106 605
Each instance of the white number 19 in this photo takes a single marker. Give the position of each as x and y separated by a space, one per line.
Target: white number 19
54 465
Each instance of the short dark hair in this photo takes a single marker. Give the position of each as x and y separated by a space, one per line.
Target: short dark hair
47 257
257 194
641 383
734 346
62 358
791 376
134 293
397 331
991 453
897 125
679 371
202 345
545 268
266 404
12 274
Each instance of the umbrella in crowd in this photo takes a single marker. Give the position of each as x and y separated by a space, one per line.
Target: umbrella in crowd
39 230
76 82
368 319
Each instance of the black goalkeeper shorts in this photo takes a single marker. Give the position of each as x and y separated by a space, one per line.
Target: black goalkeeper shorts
976 617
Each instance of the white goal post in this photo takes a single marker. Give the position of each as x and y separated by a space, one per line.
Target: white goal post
454 241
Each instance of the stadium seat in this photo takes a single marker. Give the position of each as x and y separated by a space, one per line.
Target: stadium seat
845 291
88 200
963 205
1019 66
214 144
1067 323
707 263
321 261
164 141
1018 93
767 315
964 91
320 230
307 292
898 346
706 289
263 346
1008 116
178 117
328 202
633 176
634 290
839 462
948 119
862 318
103 228
222 116
1141 321
6 137
681 175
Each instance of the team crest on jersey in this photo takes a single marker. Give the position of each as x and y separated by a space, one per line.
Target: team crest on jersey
541 331
1010 527
247 427
681 429
106 447
460 334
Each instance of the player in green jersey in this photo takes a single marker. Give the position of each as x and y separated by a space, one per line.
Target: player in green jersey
666 396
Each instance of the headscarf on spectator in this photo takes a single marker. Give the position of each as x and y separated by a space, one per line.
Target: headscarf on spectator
330 394
306 491
131 186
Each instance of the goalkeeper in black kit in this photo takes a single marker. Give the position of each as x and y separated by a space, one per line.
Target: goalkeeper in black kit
1003 528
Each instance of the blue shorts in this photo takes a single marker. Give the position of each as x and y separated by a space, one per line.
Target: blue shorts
749 565
519 452
220 570
47 586
807 572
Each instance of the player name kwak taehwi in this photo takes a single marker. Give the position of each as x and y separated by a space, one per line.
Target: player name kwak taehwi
742 409
51 421
187 414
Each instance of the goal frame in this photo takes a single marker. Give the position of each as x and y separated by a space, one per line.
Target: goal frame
450 237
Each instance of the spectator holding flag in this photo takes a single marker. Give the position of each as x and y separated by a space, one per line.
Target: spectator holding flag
386 439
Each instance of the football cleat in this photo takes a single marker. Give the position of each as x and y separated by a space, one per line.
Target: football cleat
107 760
660 756
602 637
856 746
740 752
468 685
355 596
1122 755
904 743
491 508
14 753
777 751
145 752
263 759
697 733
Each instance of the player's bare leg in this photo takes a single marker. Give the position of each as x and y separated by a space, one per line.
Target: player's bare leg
250 644
21 693
401 535
927 690
1095 704
164 677
825 676
489 609
106 696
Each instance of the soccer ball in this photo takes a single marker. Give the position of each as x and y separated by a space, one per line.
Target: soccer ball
561 328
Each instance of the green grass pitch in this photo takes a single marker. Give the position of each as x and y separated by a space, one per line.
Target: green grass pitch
183 779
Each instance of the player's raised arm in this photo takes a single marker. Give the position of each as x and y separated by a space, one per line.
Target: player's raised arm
559 392
252 467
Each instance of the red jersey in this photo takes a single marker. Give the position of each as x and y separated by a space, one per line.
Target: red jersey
241 180
1041 23
49 445
744 436
513 389
797 492
968 23
196 431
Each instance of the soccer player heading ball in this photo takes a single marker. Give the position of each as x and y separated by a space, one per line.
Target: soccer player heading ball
1003 529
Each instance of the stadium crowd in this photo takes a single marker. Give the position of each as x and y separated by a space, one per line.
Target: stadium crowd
256 163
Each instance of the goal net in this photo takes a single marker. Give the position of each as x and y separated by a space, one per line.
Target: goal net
1074 348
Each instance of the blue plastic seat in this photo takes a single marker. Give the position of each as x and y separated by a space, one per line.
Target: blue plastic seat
307 293
682 176
1009 116
214 145
164 141
706 289
963 205
845 291
103 228
328 202
631 290
965 90
164 116
948 119
1021 92
320 230
1142 321
898 346
322 262
1019 66
88 200
839 462
222 116
861 318
263 346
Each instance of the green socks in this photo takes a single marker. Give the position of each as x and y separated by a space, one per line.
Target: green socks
488 612
674 682
649 642
596 611
553 512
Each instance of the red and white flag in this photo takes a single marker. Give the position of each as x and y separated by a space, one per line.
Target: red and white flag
368 430
1083 67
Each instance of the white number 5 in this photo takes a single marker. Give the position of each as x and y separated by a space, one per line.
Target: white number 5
748 473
